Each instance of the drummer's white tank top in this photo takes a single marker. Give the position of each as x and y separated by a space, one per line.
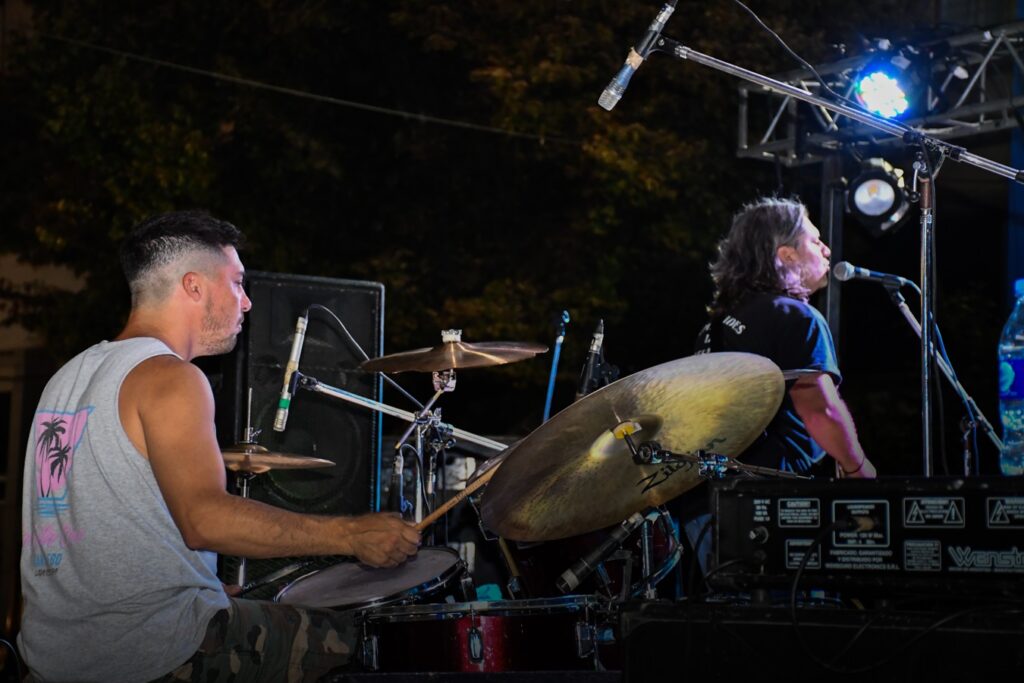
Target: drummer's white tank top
112 593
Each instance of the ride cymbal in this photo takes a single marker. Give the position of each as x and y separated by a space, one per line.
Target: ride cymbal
573 475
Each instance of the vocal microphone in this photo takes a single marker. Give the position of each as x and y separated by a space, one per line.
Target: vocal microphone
288 388
584 567
844 271
613 93
590 367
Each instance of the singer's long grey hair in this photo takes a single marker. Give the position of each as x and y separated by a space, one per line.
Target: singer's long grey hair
748 256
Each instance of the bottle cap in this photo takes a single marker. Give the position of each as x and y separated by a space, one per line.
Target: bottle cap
1018 288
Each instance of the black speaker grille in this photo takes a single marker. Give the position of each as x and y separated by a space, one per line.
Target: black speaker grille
318 425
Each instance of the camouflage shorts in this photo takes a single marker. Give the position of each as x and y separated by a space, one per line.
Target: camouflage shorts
254 640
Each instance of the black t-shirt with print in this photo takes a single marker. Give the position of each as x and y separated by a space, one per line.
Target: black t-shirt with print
795 336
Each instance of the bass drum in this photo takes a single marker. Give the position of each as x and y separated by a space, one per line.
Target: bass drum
432 574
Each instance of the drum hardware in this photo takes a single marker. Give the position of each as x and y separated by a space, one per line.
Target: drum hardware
571 475
248 459
427 422
709 465
442 361
312 384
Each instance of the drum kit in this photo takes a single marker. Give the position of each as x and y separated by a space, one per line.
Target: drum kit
575 507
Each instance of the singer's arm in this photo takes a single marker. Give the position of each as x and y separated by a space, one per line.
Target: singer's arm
830 424
167 410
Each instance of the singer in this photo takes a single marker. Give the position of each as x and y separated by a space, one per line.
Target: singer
125 496
768 266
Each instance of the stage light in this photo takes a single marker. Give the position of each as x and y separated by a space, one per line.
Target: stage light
891 81
881 93
877 197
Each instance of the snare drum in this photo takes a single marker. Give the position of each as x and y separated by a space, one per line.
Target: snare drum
432 573
558 634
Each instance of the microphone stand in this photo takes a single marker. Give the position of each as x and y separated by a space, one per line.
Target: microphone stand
909 135
563 320
979 418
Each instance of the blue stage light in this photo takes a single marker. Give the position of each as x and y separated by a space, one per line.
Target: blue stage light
882 94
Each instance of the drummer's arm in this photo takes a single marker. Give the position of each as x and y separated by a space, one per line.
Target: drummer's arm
830 424
167 405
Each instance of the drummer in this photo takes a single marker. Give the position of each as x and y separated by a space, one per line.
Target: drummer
770 263
125 503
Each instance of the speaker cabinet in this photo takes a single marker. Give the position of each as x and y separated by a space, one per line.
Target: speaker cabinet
318 426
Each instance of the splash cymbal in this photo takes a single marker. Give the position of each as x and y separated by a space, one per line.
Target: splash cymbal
255 459
573 475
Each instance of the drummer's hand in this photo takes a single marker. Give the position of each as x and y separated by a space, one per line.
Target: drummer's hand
383 539
232 590
865 471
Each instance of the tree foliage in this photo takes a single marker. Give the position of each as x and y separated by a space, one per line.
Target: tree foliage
609 215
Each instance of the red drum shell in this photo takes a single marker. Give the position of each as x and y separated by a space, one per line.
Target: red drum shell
505 635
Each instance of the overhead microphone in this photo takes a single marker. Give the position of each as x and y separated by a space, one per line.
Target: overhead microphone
845 271
288 387
637 54
592 365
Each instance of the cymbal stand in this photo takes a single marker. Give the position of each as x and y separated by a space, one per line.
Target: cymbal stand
426 418
709 465
244 479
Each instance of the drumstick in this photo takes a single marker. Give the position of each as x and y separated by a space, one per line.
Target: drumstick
455 500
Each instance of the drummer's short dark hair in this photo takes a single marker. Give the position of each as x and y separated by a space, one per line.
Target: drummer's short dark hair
160 240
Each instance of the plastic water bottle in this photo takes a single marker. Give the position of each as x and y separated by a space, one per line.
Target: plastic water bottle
1011 387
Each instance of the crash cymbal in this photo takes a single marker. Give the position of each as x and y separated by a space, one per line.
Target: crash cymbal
572 475
454 354
255 459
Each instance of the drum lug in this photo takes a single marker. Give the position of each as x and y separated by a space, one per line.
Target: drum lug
584 639
475 643
369 653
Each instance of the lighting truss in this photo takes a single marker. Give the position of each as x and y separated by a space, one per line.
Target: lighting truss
969 92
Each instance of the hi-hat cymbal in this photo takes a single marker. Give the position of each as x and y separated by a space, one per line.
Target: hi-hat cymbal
572 475
454 355
255 459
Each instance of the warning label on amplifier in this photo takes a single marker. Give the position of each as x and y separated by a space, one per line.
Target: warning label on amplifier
925 512
799 512
871 520
796 551
1005 512
922 556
